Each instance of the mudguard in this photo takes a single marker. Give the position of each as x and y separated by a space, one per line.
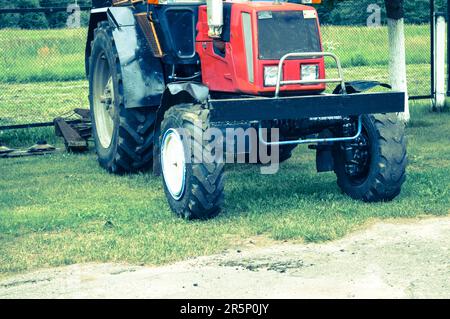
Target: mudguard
142 73
182 92
359 86
186 91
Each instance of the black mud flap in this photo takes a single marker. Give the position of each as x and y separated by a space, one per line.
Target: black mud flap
197 91
324 154
324 159
360 86
143 79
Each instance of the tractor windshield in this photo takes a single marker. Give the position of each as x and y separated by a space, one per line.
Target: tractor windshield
282 32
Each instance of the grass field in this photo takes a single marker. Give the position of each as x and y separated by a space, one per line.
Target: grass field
26 102
42 72
42 55
56 55
63 209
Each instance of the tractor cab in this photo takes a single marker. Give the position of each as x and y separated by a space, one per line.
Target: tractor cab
255 37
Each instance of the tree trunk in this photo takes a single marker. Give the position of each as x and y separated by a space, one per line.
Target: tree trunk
397 61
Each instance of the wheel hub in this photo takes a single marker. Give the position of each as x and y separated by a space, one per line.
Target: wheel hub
107 99
173 163
357 157
105 112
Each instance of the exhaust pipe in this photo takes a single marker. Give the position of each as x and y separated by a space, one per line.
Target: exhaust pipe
215 18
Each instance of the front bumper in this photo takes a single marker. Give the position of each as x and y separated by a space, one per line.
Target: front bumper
304 107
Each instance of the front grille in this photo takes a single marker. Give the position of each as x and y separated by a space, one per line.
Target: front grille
283 32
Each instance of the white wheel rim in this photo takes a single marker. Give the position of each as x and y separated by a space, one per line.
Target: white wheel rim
173 163
104 114
103 101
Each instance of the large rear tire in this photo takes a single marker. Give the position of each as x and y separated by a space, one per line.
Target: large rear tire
124 138
380 157
193 187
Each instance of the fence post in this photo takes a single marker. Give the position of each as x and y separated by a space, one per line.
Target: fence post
439 61
432 54
448 49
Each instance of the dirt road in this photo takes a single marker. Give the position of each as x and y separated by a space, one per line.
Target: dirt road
389 260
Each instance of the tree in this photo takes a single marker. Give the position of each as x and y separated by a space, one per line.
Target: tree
56 19
10 20
25 20
397 51
353 12
39 20
31 20
59 19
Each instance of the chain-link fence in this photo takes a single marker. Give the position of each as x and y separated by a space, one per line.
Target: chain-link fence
42 71
364 53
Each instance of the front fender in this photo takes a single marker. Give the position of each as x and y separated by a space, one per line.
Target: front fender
142 73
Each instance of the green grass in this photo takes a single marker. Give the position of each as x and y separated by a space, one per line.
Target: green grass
42 55
363 46
58 210
43 101
40 101
57 55
42 71
63 209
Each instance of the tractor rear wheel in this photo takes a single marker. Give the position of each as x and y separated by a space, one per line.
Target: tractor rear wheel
376 169
123 137
194 187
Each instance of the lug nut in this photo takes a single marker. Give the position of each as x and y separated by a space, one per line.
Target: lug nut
105 100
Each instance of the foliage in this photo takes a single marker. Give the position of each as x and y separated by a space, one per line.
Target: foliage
51 55
354 12
59 19
335 12
25 20
39 20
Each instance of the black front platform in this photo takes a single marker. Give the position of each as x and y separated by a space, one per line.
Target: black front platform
303 107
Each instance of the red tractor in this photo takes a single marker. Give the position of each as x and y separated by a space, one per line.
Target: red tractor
169 79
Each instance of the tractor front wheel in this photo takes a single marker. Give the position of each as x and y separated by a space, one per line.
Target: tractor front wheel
373 168
193 185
